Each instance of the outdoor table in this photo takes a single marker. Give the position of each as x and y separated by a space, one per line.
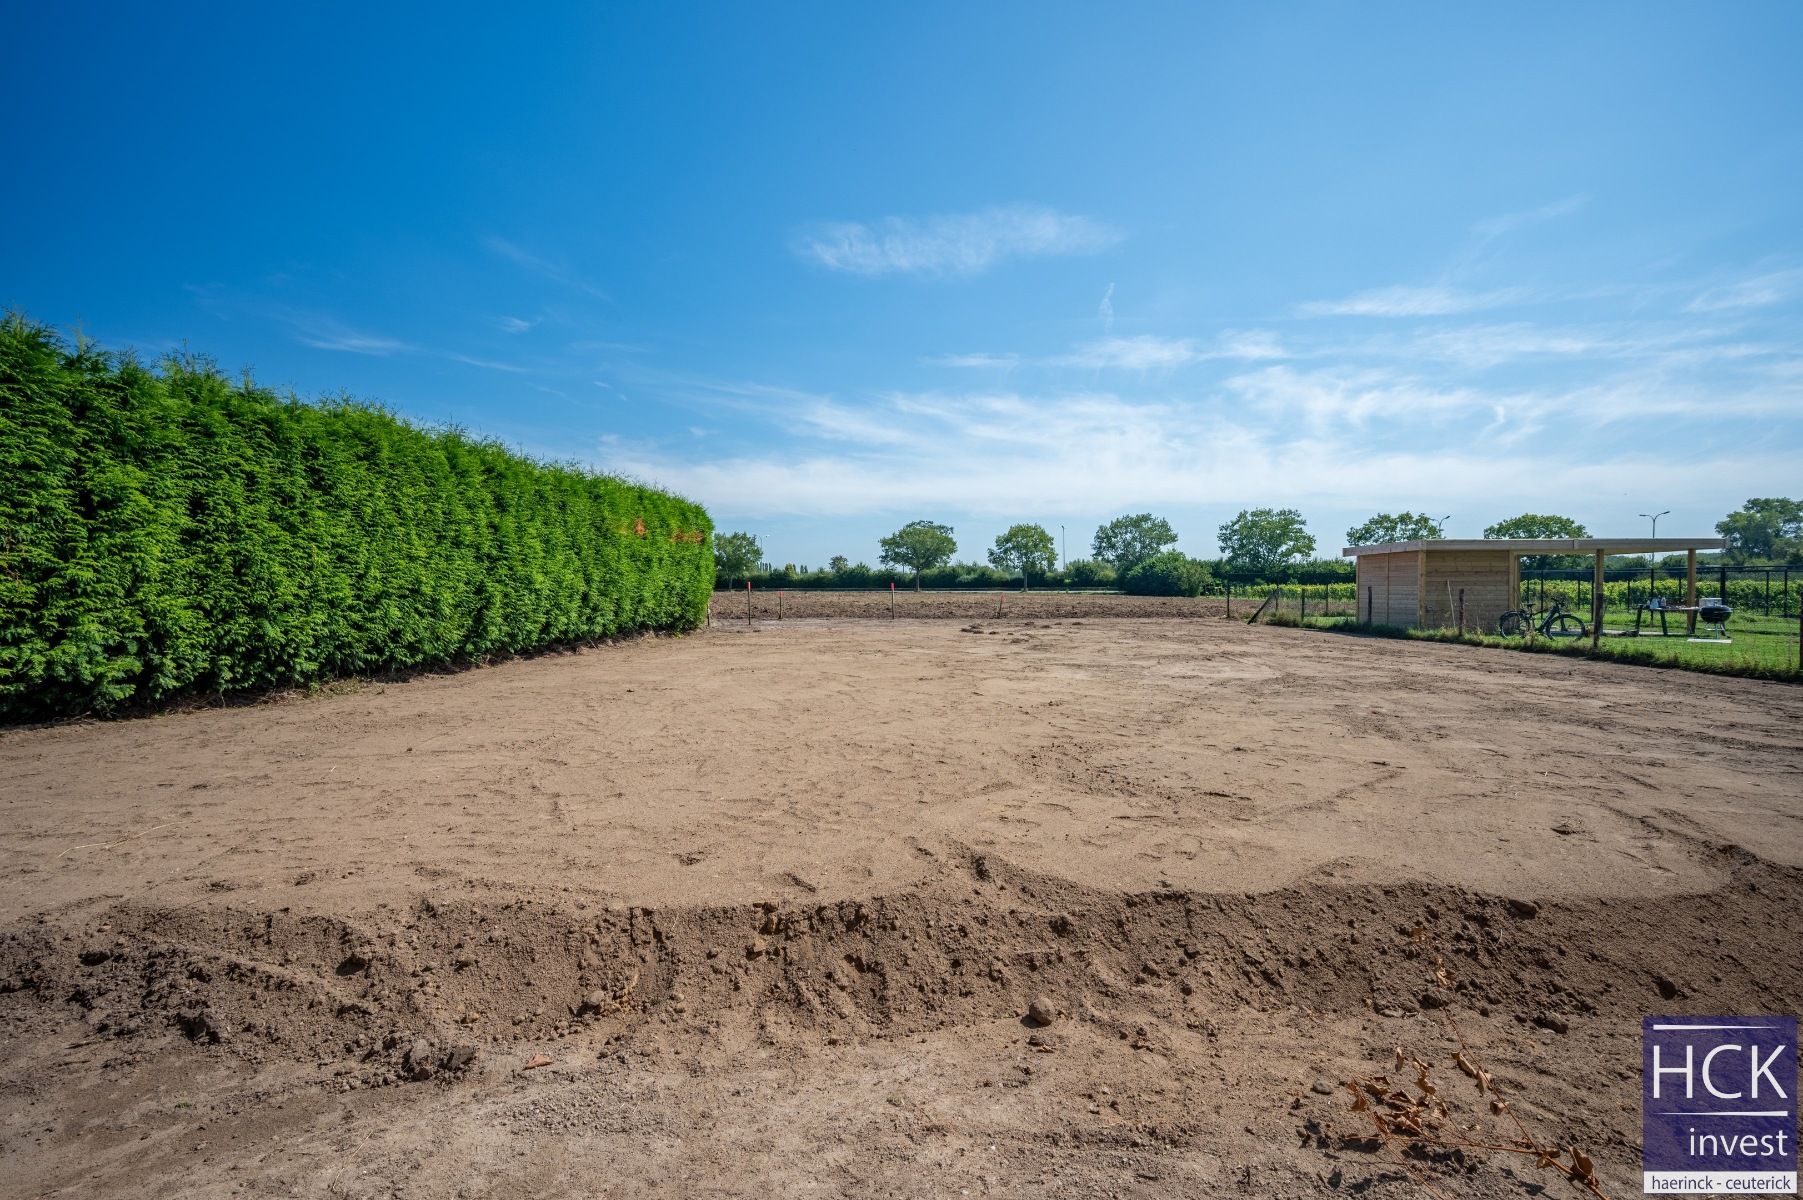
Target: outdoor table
1660 607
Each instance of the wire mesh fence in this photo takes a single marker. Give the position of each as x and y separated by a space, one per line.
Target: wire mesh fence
1769 591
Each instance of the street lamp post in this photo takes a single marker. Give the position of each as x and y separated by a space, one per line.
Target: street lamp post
1652 556
1654 518
1440 525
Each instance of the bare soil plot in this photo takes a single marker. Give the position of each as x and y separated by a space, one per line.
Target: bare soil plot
767 907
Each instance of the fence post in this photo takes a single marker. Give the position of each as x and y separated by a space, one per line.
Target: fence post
1370 610
1461 612
748 602
892 599
1302 602
1230 598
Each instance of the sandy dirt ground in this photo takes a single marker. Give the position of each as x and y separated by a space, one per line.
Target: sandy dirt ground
763 911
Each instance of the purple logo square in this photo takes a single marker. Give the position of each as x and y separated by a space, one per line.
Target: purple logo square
1719 1104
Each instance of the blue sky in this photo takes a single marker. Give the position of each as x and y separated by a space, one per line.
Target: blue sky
828 268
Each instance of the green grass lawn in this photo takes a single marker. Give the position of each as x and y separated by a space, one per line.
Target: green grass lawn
1761 646
1754 639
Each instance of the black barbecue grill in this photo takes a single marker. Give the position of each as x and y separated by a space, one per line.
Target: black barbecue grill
1713 610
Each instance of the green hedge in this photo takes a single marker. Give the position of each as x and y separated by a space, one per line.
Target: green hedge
1170 573
168 531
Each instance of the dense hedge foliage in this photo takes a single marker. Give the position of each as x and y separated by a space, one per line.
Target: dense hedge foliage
167 531
1169 573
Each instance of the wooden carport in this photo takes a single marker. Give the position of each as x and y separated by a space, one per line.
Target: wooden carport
1440 584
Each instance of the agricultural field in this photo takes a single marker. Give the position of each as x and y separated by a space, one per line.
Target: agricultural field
961 605
1042 905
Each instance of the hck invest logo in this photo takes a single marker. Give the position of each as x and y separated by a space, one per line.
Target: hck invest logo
1719 1105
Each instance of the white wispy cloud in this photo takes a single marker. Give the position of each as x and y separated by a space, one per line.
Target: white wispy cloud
1356 396
515 324
1493 227
1388 417
955 244
328 333
996 454
1481 346
1773 287
1249 344
977 361
1407 301
550 268
1141 353
1105 310
487 364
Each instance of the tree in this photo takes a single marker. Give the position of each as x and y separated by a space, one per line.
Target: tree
1088 572
1537 525
1169 573
736 555
1262 541
1028 549
918 546
1400 527
1541 525
838 564
1126 541
1769 530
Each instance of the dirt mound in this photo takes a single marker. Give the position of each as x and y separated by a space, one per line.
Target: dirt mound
422 993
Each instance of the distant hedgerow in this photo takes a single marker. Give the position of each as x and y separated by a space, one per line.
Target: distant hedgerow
1167 573
168 531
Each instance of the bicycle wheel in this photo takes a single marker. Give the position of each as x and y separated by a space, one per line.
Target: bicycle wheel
1513 623
1566 626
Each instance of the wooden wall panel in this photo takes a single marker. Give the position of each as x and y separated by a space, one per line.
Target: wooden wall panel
1422 587
1484 575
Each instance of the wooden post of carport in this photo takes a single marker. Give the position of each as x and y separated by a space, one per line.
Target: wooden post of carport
1690 592
1596 602
1421 589
1514 582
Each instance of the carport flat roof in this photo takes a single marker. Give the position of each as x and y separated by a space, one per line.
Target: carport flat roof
1547 545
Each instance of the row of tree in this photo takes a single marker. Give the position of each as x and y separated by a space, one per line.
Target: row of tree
1258 541
1138 551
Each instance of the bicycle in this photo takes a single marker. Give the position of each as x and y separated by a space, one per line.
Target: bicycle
1557 621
